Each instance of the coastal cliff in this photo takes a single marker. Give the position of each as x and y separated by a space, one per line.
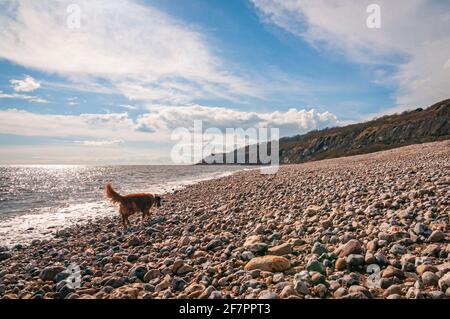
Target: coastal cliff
387 132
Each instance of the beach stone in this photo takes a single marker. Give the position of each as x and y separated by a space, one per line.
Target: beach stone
185 269
437 236
138 271
429 279
258 248
341 263
317 278
320 290
49 273
421 229
327 224
259 229
247 255
372 245
280 250
351 279
353 246
65 291
268 294
178 284
251 240
213 244
4 255
355 295
355 260
340 292
131 258
355 289
315 265
268 263
62 275
397 249
152 274
431 250
301 287
134 241
288 291
164 284
392 272
318 249
424 267
444 282
115 282
392 290
127 292
278 277
215 295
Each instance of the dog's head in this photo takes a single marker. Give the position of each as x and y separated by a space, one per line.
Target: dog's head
158 201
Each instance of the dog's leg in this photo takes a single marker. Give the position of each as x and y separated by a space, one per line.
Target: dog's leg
127 221
123 213
124 222
145 213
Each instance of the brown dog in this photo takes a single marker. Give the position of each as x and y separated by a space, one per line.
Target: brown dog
133 203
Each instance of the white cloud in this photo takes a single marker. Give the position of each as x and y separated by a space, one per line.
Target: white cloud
293 121
28 84
157 125
124 45
29 98
414 37
100 142
113 126
72 101
129 107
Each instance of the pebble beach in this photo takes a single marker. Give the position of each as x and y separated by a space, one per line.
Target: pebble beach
365 227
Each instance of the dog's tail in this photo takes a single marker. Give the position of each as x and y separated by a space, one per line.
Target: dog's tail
112 194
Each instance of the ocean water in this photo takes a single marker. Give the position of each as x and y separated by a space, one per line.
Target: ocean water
36 201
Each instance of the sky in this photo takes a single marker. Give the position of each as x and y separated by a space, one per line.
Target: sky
108 82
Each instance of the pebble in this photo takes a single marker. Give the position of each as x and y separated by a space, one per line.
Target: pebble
436 236
280 250
351 247
268 263
4 255
341 263
315 265
355 260
301 287
268 294
49 273
392 272
429 279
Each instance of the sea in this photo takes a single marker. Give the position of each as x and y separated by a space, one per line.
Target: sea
38 200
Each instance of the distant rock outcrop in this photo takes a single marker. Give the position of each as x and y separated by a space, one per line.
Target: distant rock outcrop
390 131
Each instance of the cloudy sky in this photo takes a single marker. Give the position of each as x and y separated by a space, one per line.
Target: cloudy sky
112 88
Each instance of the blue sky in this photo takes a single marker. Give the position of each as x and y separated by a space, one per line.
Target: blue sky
113 89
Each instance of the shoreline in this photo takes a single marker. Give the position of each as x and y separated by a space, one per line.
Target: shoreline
43 222
310 231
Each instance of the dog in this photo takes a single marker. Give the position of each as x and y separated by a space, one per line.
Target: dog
133 203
